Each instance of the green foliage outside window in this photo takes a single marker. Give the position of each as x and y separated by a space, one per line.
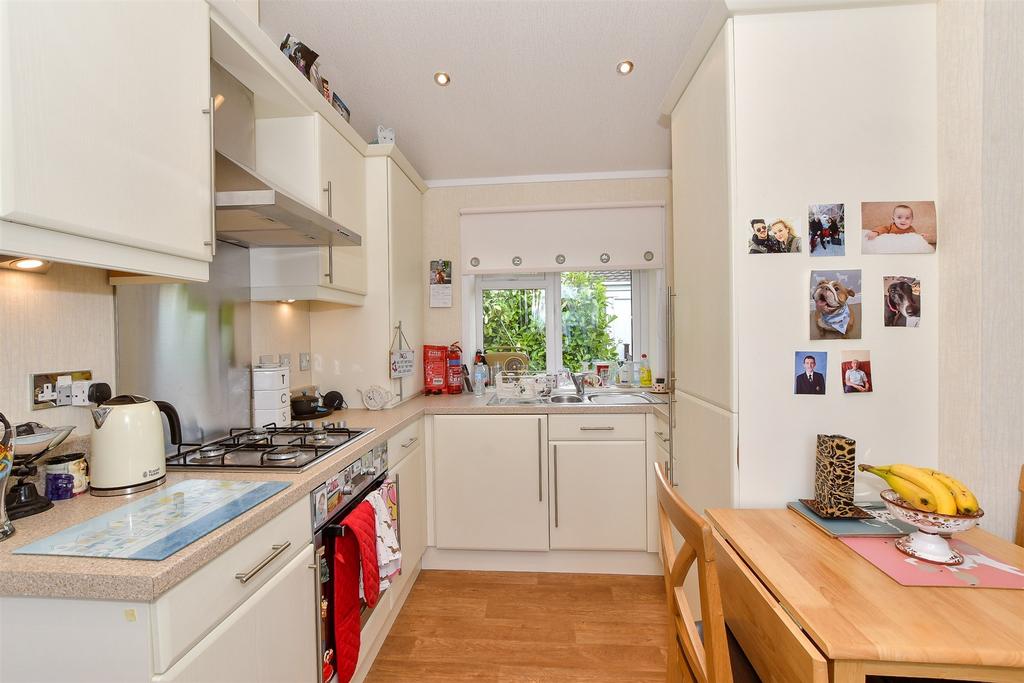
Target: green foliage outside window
514 320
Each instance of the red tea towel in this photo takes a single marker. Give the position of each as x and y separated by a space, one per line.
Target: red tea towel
356 548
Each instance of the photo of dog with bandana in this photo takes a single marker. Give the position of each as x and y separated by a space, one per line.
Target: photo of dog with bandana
835 304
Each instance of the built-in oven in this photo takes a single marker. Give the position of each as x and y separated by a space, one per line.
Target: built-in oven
332 501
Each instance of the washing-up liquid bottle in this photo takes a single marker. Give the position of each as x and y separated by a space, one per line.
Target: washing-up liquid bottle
645 371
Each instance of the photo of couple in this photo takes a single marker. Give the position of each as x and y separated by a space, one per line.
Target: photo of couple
777 237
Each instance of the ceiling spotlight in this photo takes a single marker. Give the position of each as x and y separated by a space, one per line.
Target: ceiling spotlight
442 78
286 301
624 68
28 264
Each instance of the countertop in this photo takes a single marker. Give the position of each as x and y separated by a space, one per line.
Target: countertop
144 581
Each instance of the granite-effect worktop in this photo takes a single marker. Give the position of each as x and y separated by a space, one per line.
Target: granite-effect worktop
144 581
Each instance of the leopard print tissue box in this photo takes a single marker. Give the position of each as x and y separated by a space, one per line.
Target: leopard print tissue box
834 469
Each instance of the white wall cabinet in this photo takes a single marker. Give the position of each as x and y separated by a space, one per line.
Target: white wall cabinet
395 283
308 158
270 638
112 167
490 482
598 495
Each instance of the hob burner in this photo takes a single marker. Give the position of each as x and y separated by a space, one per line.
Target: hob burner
281 453
210 453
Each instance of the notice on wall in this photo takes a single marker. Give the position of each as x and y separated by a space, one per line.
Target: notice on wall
440 284
402 363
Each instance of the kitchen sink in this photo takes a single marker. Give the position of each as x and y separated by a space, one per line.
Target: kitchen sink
565 398
618 399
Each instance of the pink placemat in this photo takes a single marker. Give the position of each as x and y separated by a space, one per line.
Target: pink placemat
978 570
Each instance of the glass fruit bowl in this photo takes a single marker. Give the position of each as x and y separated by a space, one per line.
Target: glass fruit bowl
929 542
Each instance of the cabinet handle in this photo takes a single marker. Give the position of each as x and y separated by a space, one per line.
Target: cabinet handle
556 486
540 464
661 436
597 429
398 502
330 200
330 264
275 550
410 442
212 244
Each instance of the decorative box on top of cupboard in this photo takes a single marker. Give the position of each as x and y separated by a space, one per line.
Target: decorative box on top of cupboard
307 157
110 167
396 279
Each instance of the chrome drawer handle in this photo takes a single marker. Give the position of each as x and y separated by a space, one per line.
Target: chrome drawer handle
661 435
410 442
597 429
275 550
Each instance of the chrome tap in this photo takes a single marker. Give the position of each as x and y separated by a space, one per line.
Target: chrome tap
578 381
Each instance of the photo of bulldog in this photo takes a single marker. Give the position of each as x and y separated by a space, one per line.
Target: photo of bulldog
902 295
835 304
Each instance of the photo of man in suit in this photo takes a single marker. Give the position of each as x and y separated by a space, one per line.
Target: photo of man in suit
808 379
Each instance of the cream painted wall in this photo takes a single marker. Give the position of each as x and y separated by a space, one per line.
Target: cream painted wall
60 320
282 328
441 226
981 187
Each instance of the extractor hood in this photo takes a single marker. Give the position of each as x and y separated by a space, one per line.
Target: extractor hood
251 212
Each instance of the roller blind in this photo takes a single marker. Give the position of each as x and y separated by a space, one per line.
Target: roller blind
572 238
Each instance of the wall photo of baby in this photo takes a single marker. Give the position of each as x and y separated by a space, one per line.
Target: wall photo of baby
835 304
898 227
856 372
826 230
902 297
775 236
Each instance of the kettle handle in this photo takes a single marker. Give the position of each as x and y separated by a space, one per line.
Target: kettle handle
173 421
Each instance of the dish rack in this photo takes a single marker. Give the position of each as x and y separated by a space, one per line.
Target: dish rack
518 386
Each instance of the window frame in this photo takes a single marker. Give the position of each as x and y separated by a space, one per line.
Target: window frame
551 283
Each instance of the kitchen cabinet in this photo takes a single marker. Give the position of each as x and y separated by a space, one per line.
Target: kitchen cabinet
271 637
490 482
112 166
308 158
396 281
410 477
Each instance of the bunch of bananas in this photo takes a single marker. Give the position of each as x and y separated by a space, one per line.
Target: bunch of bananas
926 489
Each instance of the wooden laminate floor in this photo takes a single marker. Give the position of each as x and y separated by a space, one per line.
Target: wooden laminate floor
514 627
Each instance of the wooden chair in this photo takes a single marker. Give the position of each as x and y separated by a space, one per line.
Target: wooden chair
704 651
1019 538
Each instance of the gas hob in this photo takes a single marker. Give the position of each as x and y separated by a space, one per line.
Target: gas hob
293 447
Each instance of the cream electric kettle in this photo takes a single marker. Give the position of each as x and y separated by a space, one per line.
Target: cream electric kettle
127 453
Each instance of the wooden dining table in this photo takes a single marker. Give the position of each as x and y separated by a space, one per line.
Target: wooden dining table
805 607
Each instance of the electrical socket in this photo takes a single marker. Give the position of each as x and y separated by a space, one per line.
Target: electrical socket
80 392
64 390
53 389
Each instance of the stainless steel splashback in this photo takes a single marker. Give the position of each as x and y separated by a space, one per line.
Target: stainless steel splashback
190 345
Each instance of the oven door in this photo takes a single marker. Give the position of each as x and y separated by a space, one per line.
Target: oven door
324 541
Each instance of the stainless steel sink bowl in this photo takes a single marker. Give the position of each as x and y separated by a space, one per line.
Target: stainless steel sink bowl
565 398
618 399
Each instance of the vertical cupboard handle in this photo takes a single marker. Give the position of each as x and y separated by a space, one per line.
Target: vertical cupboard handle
330 264
330 199
212 244
556 486
398 503
540 464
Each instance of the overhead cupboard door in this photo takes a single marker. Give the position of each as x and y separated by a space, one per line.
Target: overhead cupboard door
563 238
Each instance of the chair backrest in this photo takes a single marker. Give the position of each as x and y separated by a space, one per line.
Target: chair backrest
690 658
1019 538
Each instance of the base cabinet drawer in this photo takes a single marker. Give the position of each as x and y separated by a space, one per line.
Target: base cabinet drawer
598 495
270 638
597 427
188 611
773 643
405 442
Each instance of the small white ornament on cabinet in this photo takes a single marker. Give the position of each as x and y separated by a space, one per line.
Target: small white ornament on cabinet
385 136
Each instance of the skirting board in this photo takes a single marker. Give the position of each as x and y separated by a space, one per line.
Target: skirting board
558 561
364 666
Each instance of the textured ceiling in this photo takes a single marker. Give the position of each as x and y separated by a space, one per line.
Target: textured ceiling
534 88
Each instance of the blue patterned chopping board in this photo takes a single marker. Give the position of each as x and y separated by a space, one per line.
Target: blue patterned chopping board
159 525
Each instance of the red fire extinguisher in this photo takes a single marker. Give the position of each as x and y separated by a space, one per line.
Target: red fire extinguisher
454 369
